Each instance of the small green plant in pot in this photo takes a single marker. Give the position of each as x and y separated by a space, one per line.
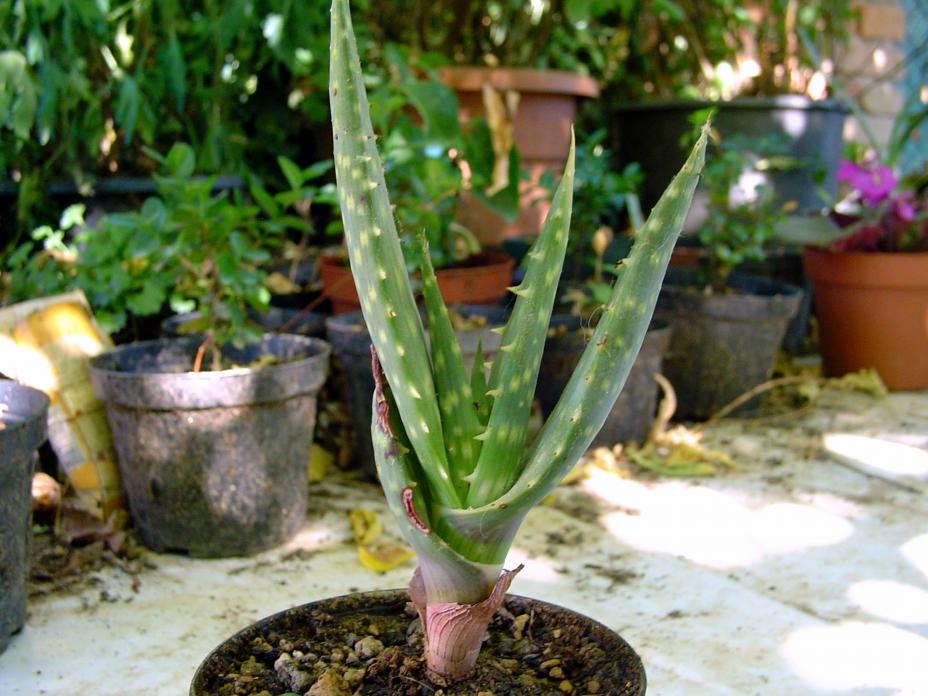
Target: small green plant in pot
212 430
728 326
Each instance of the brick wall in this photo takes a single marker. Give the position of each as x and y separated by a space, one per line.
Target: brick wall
872 67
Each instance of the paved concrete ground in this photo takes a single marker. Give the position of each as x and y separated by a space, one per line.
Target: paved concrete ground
805 571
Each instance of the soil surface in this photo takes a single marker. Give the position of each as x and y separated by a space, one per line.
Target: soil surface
372 644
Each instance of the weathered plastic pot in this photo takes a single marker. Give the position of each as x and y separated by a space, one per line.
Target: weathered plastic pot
631 417
273 320
600 654
213 463
352 345
649 133
723 344
22 430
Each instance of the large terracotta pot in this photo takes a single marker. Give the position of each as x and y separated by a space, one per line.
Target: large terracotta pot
872 311
548 101
483 279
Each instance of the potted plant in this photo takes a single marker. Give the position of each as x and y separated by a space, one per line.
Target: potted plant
424 147
727 327
757 63
211 431
525 68
450 447
868 266
22 430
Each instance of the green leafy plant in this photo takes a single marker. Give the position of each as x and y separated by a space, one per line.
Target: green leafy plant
86 86
741 211
196 250
451 449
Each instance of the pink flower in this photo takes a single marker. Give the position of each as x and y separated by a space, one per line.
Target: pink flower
873 182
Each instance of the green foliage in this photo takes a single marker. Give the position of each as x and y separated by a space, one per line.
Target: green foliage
187 246
86 85
742 213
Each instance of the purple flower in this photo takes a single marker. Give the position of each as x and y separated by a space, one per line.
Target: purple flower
873 182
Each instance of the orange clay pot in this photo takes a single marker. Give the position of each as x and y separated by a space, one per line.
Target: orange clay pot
482 279
872 311
548 101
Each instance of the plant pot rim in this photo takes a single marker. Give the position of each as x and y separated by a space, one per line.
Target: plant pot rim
467 78
157 389
24 416
783 101
888 269
396 597
484 257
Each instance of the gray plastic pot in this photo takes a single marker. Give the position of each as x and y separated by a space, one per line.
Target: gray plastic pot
213 463
722 344
631 417
352 345
22 430
600 654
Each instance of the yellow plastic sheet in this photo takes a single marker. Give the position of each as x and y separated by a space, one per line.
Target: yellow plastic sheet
45 344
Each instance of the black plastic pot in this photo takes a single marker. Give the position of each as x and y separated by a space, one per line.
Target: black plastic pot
722 344
619 671
649 134
352 346
213 463
273 320
22 430
633 412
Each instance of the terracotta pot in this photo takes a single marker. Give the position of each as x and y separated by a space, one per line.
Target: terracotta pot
547 108
591 652
872 311
483 280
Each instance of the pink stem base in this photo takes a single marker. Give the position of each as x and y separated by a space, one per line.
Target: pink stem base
454 632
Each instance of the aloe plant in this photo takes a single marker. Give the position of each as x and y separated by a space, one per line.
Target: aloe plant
451 448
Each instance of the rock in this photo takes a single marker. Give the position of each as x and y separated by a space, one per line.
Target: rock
368 647
289 671
329 684
354 676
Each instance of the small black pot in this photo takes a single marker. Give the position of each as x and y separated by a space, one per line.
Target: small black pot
620 671
352 345
214 463
633 412
22 430
722 344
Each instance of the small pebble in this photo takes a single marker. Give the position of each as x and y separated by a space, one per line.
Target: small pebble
329 684
556 673
566 687
368 647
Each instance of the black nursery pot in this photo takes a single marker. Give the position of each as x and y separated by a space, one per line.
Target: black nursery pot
593 658
352 346
213 463
22 430
631 417
722 344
